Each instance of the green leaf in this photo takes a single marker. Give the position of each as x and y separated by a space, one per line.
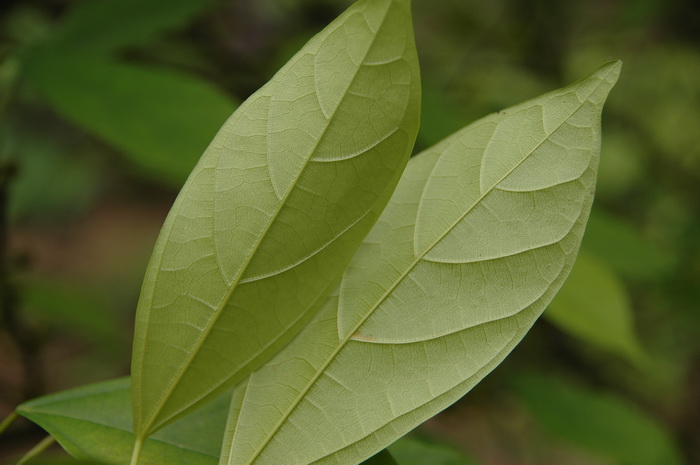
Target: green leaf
481 232
55 181
597 421
412 451
74 309
275 209
49 460
625 249
100 26
593 305
163 120
94 423
382 458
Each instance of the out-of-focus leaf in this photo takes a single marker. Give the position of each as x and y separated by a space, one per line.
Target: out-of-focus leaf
412 451
275 210
621 164
94 423
624 249
481 232
48 459
52 184
382 458
494 86
598 422
593 305
163 120
105 25
440 117
72 309
25 24
660 96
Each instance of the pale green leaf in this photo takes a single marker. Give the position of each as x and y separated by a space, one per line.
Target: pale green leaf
598 422
275 209
593 305
105 25
94 423
161 119
481 232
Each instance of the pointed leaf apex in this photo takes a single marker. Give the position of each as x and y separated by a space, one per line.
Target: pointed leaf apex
613 67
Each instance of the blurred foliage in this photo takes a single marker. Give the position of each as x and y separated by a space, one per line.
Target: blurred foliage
596 421
594 306
415 451
112 100
105 106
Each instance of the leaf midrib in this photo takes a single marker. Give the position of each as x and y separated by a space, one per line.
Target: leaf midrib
506 348
381 300
254 249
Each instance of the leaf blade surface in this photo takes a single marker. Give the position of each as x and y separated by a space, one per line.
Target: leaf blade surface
346 386
94 423
271 215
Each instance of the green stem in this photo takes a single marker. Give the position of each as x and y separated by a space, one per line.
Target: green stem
136 454
7 421
36 450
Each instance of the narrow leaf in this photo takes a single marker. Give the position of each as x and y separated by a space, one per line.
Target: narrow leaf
100 26
94 423
598 422
481 232
162 120
275 209
593 305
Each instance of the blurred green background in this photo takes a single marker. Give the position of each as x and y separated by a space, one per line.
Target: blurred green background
106 105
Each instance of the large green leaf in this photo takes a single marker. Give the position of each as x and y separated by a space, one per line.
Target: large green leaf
275 209
598 422
94 423
593 305
104 25
481 232
162 119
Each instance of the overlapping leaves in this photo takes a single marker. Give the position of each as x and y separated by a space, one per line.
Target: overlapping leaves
481 232
479 235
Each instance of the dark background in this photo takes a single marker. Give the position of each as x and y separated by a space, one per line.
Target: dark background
106 105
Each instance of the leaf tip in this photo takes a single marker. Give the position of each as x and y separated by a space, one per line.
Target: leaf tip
611 70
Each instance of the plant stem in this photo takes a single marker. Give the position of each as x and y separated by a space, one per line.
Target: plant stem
136 454
7 421
36 450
